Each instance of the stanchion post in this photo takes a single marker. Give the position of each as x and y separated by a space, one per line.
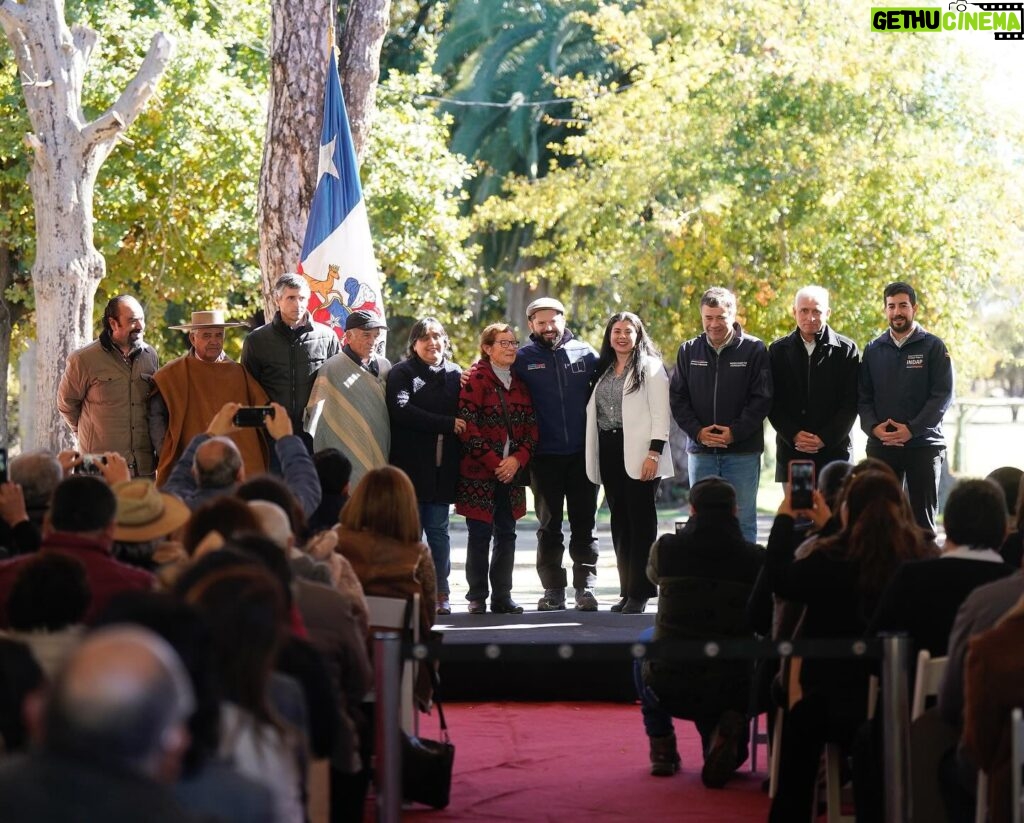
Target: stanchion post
895 727
387 678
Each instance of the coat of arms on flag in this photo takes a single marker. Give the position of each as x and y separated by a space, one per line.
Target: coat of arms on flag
337 253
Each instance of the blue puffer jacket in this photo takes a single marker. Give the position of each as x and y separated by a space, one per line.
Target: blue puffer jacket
559 382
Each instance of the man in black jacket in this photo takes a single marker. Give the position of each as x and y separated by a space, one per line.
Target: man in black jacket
285 354
906 386
814 372
720 394
705 574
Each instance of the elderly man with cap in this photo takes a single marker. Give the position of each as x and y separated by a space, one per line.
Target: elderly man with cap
557 369
192 389
347 409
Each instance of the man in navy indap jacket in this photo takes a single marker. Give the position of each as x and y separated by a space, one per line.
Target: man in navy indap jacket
557 369
906 386
720 394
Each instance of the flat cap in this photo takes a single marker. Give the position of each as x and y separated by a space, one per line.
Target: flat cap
542 303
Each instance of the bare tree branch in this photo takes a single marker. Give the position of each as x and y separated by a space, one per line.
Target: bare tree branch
135 95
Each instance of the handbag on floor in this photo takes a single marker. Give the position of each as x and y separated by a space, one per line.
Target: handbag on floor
427 766
522 475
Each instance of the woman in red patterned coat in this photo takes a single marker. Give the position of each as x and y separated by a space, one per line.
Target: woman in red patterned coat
499 438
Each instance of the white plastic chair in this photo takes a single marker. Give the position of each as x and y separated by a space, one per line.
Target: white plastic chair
400 614
926 681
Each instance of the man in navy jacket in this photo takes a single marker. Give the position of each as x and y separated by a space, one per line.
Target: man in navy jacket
720 394
557 369
906 386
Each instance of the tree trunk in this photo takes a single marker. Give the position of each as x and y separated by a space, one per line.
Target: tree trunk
67 152
359 65
298 62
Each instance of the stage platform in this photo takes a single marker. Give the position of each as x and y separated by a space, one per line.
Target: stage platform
563 671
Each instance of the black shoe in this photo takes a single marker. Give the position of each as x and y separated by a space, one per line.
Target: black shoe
477 607
618 607
634 605
506 607
720 763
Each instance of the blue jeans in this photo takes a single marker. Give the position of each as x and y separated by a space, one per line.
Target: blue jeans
742 472
434 519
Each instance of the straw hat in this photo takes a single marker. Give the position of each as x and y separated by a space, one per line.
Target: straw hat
144 514
206 320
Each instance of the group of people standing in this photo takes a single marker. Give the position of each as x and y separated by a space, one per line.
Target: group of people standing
551 413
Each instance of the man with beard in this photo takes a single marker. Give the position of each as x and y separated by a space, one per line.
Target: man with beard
104 391
557 369
906 386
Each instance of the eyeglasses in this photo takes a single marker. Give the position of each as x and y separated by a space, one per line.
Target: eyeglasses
507 344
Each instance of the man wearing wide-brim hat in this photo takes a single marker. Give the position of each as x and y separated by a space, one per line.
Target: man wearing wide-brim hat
193 388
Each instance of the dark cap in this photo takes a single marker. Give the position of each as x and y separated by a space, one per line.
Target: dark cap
713 494
363 320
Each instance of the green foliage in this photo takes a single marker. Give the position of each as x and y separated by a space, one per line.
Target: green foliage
412 186
768 146
176 200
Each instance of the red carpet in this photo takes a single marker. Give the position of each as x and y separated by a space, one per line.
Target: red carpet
588 761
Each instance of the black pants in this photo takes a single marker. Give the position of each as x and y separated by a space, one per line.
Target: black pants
918 469
498 569
560 481
634 517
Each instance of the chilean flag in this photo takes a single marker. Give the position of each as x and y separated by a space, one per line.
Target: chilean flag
337 254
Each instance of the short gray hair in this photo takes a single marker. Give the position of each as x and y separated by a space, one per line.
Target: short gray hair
222 473
38 473
819 293
291 280
717 297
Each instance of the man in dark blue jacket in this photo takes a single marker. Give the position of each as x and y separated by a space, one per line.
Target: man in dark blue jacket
906 386
720 394
814 376
557 369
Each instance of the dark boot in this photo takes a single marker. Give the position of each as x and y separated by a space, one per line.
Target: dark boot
664 757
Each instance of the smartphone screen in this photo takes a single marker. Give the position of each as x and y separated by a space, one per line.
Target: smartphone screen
252 416
801 484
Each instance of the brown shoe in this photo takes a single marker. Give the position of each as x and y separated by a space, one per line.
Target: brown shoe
477 607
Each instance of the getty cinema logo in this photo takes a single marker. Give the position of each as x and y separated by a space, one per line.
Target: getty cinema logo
1003 19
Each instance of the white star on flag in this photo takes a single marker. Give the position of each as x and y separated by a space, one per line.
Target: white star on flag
326 164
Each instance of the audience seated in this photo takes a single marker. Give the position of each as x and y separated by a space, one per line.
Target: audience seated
209 786
923 598
704 576
211 465
840 584
993 687
22 688
82 524
1008 478
334 470
244 600
113 736
26 499
49 598
1013 546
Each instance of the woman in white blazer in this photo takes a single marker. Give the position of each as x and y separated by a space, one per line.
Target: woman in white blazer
627 448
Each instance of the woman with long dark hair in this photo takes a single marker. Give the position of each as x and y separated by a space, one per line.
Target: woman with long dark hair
840 584
423 403
627 432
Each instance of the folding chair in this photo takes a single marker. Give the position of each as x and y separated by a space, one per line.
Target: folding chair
927 681
402 615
